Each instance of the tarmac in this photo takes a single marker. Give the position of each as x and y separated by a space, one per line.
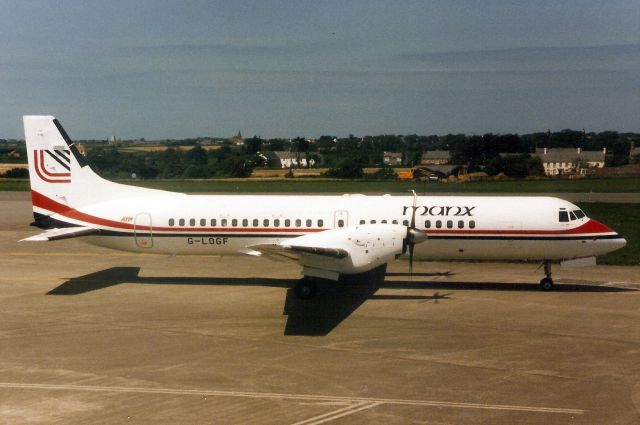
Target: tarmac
89 335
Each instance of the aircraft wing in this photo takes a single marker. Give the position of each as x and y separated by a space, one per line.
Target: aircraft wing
347 250
63 233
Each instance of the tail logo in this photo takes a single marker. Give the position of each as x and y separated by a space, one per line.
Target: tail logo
53 166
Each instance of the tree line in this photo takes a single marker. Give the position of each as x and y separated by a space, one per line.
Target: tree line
347 156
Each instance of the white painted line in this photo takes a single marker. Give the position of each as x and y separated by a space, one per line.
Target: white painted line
285 396
362 407
332 413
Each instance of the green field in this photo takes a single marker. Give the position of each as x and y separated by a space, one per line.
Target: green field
610 185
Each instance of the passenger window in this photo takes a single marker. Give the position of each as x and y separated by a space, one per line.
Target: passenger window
213 222
192 222
309 223
438 224
384 222
265 222
255 222
395 222
341 223
563 217
472 224
171 222
373 222
223 222
405 222
234 222
245 222
181 222
203 222
460 224
276 222
298 222
287 223
320 223
449 224
362 221
427 224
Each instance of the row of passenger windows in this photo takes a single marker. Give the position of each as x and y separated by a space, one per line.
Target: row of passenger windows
428 224
234 222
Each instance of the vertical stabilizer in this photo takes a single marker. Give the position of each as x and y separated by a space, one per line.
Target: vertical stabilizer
59 174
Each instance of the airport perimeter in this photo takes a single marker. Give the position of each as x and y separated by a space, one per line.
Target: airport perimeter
89 335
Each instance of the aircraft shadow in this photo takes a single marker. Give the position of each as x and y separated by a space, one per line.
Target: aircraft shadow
332 304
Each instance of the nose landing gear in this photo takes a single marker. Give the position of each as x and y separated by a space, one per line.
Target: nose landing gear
546 283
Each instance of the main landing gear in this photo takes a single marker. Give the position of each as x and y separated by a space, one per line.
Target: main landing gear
306 288
546 283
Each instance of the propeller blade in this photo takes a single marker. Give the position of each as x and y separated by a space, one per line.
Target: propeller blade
411 246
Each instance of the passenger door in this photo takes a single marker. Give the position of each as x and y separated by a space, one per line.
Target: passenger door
143 230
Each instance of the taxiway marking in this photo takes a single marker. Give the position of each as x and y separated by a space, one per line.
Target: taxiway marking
335 414
285 396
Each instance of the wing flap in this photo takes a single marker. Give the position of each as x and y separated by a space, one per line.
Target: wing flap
64 233
327 252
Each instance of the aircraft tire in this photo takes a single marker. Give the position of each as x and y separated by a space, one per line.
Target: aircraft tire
546 284
305 289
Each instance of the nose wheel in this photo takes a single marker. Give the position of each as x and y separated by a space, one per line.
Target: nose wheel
546 283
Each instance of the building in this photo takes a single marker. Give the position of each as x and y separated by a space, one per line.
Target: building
634 153
287 159
435 172
435 158
392 158
237 139
559 161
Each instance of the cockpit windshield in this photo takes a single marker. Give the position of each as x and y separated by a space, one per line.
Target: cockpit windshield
565 216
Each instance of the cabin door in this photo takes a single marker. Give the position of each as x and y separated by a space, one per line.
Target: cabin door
340 219
143 230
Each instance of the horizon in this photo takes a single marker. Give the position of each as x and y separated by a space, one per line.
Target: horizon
169 69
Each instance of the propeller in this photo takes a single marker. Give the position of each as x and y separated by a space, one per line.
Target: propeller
413 235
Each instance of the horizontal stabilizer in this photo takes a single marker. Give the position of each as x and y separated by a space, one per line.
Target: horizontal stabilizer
64 233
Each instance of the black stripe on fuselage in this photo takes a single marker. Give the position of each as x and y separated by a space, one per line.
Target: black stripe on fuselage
82 161
63 154
286 235
58 160
44 221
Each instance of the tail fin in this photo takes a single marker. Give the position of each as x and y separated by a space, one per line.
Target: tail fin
59 174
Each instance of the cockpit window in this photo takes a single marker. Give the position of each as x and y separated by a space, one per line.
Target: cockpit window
579 213
572 215
563 216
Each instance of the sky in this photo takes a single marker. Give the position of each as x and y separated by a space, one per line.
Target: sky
176 69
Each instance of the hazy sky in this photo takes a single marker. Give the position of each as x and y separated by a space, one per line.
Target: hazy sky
175 69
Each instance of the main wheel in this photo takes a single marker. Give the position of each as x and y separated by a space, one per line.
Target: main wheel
546 284
305 289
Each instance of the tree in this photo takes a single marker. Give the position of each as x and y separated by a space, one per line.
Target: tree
386 172
253 145
347 168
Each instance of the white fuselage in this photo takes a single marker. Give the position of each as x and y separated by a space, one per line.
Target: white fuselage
457 227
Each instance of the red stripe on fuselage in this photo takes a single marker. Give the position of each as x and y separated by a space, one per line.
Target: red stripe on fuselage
38 162
589 228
